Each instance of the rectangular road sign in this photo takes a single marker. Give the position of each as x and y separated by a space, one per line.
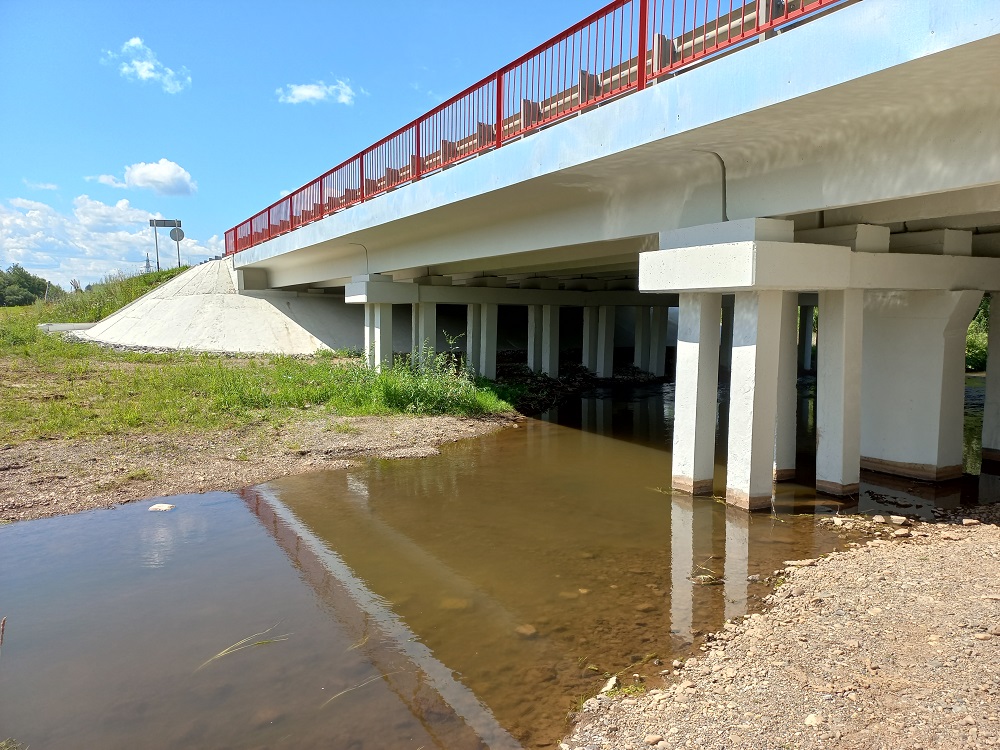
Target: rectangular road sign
164 222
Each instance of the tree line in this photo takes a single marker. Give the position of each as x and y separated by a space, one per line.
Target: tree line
19 287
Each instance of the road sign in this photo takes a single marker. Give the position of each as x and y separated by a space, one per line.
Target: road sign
176 234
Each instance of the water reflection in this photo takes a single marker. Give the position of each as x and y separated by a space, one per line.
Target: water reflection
535 562
468 600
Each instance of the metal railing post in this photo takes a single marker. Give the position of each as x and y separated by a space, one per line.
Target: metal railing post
643 41
499 141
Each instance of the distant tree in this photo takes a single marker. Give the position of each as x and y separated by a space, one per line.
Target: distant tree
16 296
19 287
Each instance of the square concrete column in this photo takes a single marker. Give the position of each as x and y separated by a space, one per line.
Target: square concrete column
696 393
424 330
642 340
378 335
473 336
753 399
806 338
605 341
785 437
535 338
914 381
550 340
838 392
991 407
658 340
488 340
726 342
590 320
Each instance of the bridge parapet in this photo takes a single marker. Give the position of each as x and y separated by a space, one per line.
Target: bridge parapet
621 48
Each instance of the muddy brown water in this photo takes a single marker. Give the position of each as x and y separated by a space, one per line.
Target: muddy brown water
466 600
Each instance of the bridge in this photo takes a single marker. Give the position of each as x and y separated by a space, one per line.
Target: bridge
693 178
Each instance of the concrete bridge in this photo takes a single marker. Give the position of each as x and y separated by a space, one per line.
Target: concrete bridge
765 159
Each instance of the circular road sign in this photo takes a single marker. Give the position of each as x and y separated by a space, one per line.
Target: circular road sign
177 234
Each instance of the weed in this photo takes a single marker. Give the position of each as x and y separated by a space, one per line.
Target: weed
248 642
625 691
140 475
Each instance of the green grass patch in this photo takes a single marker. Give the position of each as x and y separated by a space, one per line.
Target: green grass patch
51 387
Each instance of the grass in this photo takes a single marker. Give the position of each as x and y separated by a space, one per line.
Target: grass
52 387
250 641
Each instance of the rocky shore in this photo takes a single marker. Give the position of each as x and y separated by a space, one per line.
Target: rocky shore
892 644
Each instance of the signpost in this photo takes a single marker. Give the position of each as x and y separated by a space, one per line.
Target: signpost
176 234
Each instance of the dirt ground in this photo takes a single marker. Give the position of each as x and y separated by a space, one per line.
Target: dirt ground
893 644
43 478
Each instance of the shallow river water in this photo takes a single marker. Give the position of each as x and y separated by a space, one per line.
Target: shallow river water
465 600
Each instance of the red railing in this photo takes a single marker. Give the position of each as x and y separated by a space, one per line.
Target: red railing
623 47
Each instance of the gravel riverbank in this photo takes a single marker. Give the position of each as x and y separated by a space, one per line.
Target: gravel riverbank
892 644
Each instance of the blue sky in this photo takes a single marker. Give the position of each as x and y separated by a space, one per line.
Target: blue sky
115 112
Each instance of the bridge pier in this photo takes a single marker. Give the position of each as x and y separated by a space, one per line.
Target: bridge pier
696 393
378 335
890 379
991 406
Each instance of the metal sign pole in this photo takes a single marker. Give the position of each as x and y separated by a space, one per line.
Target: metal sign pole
178 241
156 242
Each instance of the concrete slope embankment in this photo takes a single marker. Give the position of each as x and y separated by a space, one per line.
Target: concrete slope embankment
200 310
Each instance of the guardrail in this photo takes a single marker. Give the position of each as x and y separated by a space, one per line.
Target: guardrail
623 47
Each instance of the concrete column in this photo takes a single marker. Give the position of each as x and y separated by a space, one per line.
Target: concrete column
726 342
550 340
838 392
642 339
424 330
914 386
473 336
535 338
488 341
696 393
658 340
605 341
753 399
378 335
590 319
785 437
806 338
991 407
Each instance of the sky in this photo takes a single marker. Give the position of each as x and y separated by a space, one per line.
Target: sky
115 112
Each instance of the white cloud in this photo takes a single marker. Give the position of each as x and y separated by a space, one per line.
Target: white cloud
284 193
138 62
296 93
163 177
39 185
95 240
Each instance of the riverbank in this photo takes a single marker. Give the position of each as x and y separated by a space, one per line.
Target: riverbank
41 478
892 644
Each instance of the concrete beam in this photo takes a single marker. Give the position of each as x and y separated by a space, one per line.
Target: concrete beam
932 242
403 293
861 238
741 230
605 341
746 266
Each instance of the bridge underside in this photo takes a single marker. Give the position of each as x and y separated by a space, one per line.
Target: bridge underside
709 215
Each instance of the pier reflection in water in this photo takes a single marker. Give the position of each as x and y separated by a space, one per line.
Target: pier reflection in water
534 562
466 600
